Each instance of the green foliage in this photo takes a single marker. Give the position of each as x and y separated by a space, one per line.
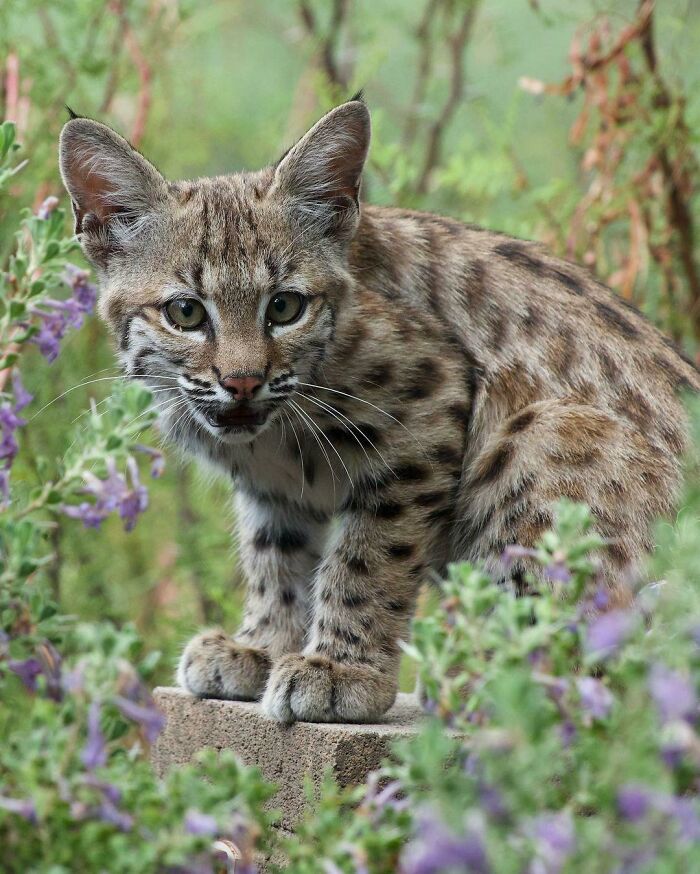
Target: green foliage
559 739
541 753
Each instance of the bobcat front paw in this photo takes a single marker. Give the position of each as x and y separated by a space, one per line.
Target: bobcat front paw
313 688
214 666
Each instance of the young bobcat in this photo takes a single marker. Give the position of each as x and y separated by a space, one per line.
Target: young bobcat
388 390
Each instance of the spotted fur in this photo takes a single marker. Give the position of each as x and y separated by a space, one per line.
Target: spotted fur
442 387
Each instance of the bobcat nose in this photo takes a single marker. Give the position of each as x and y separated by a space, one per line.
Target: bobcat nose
242 386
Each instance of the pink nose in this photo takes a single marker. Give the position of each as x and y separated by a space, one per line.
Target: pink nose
241 387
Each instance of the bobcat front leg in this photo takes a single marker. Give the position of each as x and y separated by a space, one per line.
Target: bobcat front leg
280 545
364 598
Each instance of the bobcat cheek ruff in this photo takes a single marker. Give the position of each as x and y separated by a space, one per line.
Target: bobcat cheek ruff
430 387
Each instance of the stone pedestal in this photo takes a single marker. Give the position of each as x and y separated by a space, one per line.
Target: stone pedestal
284 754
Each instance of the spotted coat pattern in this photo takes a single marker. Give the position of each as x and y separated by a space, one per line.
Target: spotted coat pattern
441 388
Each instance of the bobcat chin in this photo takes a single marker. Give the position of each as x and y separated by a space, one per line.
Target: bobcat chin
428 386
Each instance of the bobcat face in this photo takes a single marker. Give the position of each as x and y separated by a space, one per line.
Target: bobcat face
224 293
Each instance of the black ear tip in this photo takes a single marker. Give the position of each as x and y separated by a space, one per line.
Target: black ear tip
71 114
360 96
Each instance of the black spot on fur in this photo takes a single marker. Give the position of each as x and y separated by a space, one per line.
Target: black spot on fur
398 606
459 413
493 466
345 634
388 510
288 597
430 499
615 320
379 374
566 279
285 540
357 565
410 472
518 254
446 454
422 380
353 601
521 422
401 550
442 514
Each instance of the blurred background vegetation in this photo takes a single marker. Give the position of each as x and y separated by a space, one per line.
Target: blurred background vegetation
577 123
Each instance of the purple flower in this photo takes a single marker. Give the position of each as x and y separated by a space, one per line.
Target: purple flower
47 206
50 660
27 670
59 315
491 801
10 421
436 849
111 792
606 633
21 806
94 752
21 396
136 500
557 570
673 694
596 699
73 680
685 813
46 662
512 553
157 460
567 733
633 802
90 515
198 823
110 494
109 812
149 718
555 840
601 599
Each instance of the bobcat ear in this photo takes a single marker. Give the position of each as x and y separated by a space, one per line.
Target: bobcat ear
114 189
320 175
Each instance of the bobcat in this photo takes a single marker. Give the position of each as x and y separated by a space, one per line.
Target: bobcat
388 390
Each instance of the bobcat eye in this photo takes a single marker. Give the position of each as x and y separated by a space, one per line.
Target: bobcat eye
284 308
186 313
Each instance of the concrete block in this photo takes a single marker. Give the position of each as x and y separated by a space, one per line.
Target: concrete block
284 754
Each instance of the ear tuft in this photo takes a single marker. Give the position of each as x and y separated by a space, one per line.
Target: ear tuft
320 176
115 191
71 114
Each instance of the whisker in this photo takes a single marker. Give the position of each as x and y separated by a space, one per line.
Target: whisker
187 412
92 382
80 415
297 410
351 425
363 401
301 457
327 439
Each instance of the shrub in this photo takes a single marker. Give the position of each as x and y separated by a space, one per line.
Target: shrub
560 736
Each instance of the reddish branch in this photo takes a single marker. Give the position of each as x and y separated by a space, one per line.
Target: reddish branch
626 97
457 43
425 64
328 42
678 185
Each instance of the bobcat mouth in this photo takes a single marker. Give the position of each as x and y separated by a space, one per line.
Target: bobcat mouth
243 416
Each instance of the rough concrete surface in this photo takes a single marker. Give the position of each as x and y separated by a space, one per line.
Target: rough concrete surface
284 754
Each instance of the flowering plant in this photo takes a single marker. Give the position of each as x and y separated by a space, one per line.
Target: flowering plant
560 736
77 715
